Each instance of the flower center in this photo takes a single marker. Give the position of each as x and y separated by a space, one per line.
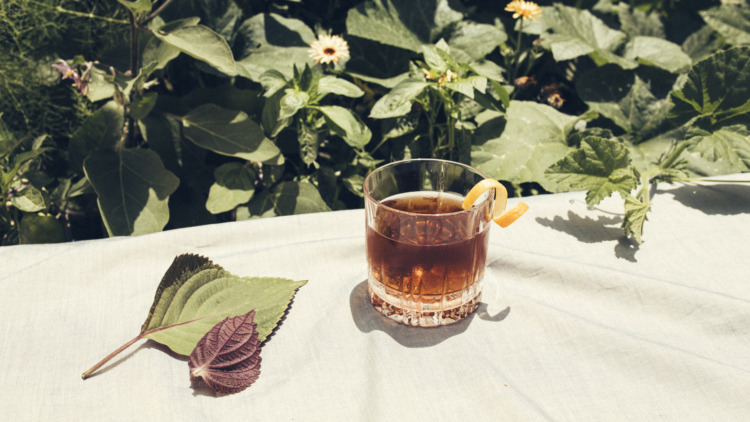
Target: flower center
329 51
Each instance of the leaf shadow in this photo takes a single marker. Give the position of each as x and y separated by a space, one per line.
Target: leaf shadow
589 230
367 319
716 199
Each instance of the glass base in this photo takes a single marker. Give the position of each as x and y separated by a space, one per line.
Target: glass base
430 311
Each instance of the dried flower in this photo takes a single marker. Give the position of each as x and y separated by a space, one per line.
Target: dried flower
525 81
524 9
329 49
555 100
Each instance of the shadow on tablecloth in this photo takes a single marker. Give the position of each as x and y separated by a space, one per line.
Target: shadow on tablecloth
368 319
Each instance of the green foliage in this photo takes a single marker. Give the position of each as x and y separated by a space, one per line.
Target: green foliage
215 111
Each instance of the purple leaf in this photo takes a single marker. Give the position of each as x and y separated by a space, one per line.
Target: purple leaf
227 358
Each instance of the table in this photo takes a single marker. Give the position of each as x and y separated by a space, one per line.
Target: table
576 322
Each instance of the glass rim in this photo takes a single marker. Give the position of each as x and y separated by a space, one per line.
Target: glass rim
473 208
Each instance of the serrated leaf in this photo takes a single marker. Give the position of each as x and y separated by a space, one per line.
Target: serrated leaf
717 88
196 293
234 185
732 22
347 125
228 132
576 32
227 357
600 166
658 52
201 43
309 144
406 24
132 188
730 144
399 100
635 217
534 138
621 96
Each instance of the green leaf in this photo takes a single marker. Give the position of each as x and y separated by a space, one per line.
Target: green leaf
158 51
717 88
142 105
576 32
8 142
732 22
132 189
234 185
347 125
398 101
309 144
29 199
730 144
406 24
195 289
272 81
621 96
201 43
338 86
470 41
635 216
40 228
658 52
272 42
534 138
292 102
137 6
103 129
228 132
378 63
288 198
600 166
636 22
466 86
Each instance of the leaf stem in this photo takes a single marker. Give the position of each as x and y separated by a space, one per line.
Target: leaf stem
110 356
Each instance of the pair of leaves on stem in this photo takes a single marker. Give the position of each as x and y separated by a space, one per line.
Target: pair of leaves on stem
218 319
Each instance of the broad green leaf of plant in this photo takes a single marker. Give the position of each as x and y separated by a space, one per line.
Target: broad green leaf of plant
287 198
600 166
732 22
635 216
378 63
201 43
717 89
158 51
102 129
534 138
576 32
132 188
272 81
37 228
333 85
234 185
621 96
292 102
635 22
204 294
471 41
347 125
272 42
406 24
398 101
730 144
229 132
8 142
658 52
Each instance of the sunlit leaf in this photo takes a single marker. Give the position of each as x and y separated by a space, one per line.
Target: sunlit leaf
347 125
132 188
228 132
635 217
399 100
731 21
658 52
234 185
202 43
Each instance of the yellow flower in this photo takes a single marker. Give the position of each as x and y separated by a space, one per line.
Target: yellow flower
524 9
329 49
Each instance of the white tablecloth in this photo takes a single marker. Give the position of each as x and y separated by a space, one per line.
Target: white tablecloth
576 324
